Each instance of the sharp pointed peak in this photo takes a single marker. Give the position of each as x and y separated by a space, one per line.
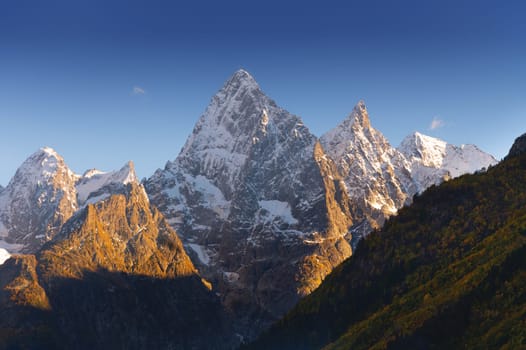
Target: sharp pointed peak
129 165
44 155
128 173
241 79
47 152
242 74
360 115
360 106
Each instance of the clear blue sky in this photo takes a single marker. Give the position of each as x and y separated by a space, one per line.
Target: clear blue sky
103 82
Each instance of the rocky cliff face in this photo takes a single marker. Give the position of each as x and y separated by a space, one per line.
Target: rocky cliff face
115 276
248 195
122 233
518 147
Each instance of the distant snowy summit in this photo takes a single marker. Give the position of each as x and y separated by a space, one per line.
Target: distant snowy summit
432 160
45 193
381 179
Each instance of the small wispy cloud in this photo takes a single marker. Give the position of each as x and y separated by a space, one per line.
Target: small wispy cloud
137 90
436 123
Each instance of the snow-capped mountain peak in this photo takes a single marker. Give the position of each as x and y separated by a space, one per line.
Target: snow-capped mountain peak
428 150
45 193
38 200
432 160
242 78
374 172
42 166
360 116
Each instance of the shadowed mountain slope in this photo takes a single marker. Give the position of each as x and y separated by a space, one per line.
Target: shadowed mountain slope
447 272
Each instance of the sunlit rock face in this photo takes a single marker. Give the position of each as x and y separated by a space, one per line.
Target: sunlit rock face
257 202
116 275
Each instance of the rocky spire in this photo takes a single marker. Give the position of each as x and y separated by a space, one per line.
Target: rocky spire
360 116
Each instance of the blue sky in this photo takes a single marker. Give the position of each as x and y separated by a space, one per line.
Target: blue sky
103 82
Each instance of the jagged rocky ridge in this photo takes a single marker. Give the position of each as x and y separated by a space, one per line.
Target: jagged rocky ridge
381 179
115 276
264 208
267 210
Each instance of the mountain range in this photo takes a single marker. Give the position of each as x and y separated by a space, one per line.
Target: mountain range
448 272
263 209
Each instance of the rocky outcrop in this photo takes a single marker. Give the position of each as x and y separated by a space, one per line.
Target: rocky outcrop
122 233
116 276
20 286
26 321
518 147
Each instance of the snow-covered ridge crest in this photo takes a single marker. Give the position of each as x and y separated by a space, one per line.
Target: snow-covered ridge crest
380 178
90 187
433 160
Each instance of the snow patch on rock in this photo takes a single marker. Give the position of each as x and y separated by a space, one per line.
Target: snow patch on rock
273 209
200 250
4 255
